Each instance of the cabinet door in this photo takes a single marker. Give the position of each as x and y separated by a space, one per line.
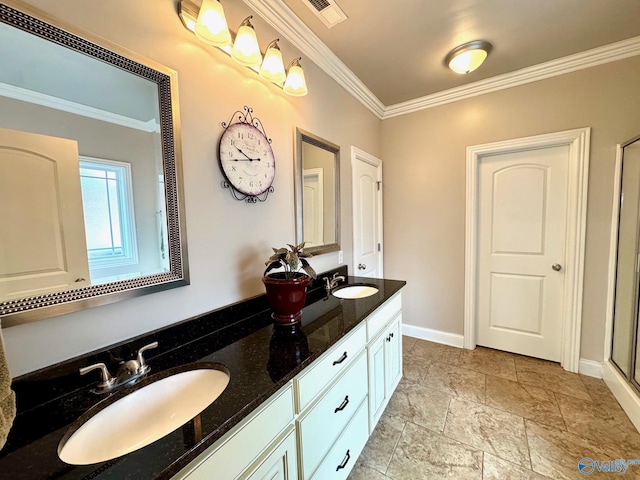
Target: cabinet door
393 355
377 391
280 463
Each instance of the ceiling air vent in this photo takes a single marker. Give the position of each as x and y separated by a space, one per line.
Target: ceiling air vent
326 10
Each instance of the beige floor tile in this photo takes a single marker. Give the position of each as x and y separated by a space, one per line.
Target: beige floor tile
598 391
550 376
408 343
459 382
492 362
556 453
419 404
380 446
415 368
524 400
494 468
606 424
423 454
494 431
362 472
437 351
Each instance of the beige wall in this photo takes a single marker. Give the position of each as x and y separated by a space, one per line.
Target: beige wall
424 180
228 241
424 177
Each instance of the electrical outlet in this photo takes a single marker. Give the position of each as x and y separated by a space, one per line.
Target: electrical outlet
340 256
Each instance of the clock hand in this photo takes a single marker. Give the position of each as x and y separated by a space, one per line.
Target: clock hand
248 157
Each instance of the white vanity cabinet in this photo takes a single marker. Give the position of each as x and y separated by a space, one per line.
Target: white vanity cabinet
384 352
339 394
316 426
262 446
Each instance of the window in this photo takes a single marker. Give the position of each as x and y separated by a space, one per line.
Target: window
107 199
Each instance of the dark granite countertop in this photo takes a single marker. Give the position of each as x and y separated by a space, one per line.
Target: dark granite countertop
242 337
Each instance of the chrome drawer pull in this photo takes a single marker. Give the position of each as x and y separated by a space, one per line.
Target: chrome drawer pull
341 359
344 462
342 406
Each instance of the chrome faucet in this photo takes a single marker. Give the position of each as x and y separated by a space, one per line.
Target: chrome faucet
128 371
329 283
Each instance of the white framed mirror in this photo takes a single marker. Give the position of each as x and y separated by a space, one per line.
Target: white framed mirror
90 172
317 193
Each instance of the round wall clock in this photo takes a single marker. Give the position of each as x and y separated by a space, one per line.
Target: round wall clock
246 158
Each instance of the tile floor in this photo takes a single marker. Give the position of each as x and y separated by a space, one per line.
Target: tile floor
490 415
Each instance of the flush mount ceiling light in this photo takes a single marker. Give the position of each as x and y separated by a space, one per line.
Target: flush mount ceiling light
209 24
468 56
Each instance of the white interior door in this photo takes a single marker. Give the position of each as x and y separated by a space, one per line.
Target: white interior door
42 241
313 206
366 181
522 216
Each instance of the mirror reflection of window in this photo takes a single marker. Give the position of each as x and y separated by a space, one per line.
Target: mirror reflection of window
107 198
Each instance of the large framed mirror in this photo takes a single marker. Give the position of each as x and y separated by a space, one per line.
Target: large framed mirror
90 172
317 193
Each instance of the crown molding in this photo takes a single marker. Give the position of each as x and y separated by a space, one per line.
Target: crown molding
589 58
31 96
284 20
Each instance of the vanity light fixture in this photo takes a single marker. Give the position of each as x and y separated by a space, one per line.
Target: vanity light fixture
209 24
467 57
272 68
295 84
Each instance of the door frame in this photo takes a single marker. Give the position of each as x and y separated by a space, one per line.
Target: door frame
578 172
358 155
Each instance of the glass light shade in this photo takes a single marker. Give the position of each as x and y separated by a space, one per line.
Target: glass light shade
211 26
466 62
295 85
272 68
246 50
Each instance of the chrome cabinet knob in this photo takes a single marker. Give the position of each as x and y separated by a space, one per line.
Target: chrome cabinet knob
361 266
557 267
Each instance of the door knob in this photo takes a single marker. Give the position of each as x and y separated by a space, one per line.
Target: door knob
361 266
557 267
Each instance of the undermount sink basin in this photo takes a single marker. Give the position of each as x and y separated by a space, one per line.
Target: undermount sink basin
143 416
355 291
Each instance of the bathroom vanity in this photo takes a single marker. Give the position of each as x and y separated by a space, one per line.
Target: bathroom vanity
301 403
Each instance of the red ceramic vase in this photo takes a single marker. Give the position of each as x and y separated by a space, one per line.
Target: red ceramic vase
286 297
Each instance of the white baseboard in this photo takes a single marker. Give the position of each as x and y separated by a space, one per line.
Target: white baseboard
436 336
590 368
626 396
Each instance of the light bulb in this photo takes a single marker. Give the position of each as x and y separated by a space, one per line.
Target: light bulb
295 84
246 50
272 68
211 26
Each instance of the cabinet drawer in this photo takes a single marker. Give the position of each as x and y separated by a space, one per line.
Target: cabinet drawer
228 457
321 425
336 360
342 457
382 315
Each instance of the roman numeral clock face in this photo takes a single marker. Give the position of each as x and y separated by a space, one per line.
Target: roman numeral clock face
246 159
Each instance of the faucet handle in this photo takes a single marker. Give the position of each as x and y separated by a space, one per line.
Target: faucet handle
142 365
327 282
107 380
